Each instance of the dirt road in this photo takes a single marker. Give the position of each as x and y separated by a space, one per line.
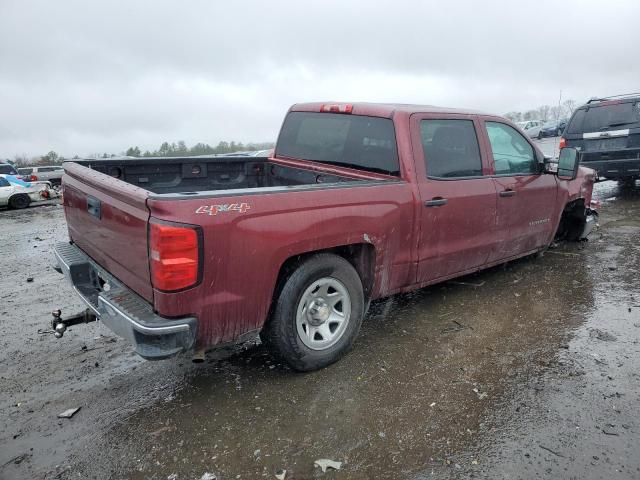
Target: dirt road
524 371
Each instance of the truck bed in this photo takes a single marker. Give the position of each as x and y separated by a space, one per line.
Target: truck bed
191 175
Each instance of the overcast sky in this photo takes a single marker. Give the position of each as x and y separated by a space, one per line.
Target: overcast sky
81 77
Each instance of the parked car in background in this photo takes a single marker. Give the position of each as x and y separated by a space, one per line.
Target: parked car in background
15 193
606 131
262 153
8 169
531 127
45 173
553 128
358 202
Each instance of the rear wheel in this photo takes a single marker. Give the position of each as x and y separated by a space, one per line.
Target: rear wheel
317 314
19 201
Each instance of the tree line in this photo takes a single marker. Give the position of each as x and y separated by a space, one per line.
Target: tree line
179 149
544 112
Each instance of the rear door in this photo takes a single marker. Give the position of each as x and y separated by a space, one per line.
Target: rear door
526 196
107 219
458 213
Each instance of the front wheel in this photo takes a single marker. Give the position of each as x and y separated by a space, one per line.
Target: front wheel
317 314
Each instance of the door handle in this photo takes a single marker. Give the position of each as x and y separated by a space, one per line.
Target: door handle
507 193
436 202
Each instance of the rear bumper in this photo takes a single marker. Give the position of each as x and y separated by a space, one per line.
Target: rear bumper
122 311
615 168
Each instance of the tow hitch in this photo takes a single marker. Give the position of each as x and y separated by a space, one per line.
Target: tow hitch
59 325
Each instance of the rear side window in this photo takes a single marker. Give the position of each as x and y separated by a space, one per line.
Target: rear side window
512 154
355 141
6 169
605 117
450 148
46 169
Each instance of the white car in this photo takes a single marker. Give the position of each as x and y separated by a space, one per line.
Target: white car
531 127
14 195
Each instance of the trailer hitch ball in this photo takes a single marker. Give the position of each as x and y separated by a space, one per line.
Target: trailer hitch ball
56 324
59 330
59 325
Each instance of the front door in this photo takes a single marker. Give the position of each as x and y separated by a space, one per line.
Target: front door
526 195
458 212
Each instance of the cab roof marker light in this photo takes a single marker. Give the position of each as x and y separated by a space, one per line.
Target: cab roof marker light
336 108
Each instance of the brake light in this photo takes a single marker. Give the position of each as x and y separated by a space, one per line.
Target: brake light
173 256
563 143
33 178
337 108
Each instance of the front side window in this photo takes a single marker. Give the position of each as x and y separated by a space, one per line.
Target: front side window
4 182
512 154
450 148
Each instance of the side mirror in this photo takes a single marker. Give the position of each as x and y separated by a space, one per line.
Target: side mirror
568 163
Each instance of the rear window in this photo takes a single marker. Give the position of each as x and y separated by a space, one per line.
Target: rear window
6 169
355 141
25 171
605 117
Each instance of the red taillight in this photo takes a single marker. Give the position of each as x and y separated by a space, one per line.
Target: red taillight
173 256
33 178
337 108
563 143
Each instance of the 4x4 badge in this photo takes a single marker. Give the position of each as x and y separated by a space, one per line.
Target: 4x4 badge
224 208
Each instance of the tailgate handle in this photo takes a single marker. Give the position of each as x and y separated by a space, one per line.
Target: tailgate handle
94 207
507 193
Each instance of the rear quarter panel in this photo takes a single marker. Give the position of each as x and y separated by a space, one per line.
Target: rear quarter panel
244 251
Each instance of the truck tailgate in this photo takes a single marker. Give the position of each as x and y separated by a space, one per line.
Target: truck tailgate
108 219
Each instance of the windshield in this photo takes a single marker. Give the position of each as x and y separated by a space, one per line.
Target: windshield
606 117
355 141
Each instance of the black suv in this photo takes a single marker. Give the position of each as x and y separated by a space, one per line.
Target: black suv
606 131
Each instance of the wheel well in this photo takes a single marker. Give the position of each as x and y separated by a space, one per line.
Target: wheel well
572 221
361 255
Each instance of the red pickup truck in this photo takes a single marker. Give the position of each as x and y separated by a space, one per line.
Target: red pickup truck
358 202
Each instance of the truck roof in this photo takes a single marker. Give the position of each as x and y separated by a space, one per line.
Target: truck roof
383 109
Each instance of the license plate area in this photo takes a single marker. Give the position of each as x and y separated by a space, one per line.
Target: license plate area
601 144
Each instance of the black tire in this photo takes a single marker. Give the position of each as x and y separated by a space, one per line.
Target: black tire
20 201
280 334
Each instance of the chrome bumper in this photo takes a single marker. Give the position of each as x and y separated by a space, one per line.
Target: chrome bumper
121 310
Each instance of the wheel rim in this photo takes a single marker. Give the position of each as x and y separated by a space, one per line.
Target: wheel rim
20 202
323 313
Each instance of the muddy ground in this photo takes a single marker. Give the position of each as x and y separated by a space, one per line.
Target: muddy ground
527 370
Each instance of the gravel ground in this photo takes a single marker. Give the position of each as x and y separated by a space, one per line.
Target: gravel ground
527 370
